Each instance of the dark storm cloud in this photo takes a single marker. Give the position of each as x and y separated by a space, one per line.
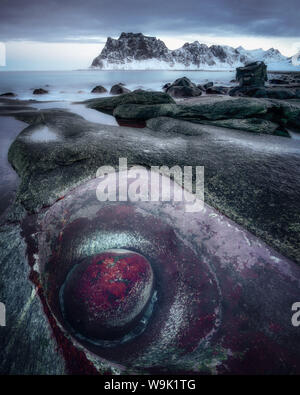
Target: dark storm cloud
53 20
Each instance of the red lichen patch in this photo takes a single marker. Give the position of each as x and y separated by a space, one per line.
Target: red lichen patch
105 295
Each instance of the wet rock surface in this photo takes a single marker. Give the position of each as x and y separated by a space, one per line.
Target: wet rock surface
255 125
252 179
67 160
255 112
144 112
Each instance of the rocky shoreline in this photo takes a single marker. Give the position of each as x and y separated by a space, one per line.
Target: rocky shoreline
248 236
213 139
244 119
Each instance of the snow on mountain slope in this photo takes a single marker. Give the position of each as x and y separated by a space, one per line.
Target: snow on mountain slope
134 51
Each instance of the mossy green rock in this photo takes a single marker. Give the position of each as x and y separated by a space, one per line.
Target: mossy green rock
241 108
108 104
145 112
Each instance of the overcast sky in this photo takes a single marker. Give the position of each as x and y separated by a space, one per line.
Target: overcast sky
52 34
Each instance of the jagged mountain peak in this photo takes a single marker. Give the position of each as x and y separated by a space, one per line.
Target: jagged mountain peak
137 51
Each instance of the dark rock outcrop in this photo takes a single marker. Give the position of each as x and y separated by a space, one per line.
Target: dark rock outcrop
253 74
252 83
99 89
277 81
217 90
8 94
266 92
208 85
166 86
40 91
118 89
288 78
184 91
183 87
256 115
201 87
183 81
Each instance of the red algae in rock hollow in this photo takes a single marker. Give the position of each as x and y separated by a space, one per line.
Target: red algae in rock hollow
105 295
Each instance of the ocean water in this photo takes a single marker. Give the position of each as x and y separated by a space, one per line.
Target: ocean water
77 85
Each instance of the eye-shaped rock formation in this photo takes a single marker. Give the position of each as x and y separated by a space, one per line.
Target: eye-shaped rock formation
223 297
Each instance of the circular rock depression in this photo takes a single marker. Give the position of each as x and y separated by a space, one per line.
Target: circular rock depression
104 296
142 307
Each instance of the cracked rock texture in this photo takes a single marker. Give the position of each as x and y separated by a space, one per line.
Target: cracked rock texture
26 342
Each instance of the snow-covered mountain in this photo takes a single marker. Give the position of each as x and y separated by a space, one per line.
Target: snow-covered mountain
295 60
134 51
